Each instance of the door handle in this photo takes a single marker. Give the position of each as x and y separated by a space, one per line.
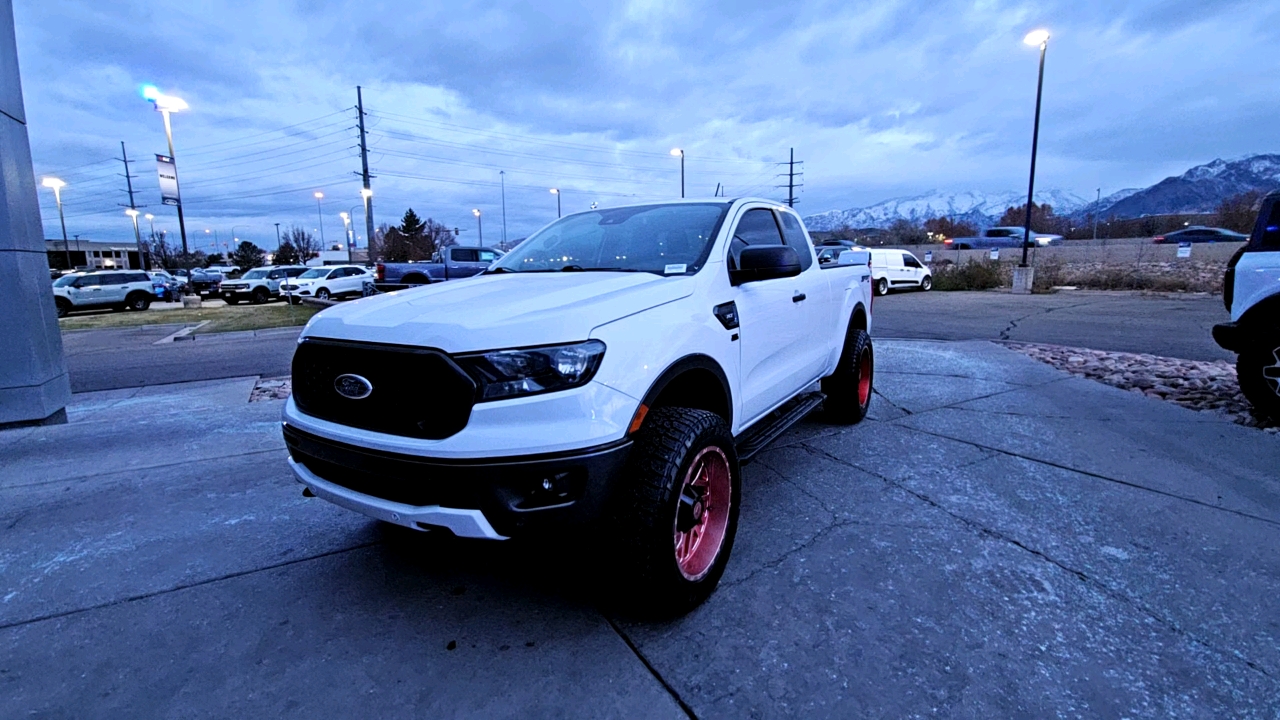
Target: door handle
798 297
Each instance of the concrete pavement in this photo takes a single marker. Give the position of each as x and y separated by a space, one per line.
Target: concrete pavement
1171 325
999 539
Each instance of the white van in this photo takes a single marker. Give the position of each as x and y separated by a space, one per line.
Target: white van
894 269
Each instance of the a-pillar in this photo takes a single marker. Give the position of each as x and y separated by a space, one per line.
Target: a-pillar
34 388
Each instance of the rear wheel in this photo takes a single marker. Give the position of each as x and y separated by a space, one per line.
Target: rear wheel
63 305
678 511
1258 371
849 388
138 301
882 286
927 283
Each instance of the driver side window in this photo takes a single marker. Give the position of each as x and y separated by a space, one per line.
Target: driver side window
756 227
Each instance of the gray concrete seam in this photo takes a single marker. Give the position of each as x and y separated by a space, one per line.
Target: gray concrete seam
185 586
1092 474
1135 603
684 706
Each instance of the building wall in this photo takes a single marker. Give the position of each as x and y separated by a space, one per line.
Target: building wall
33 376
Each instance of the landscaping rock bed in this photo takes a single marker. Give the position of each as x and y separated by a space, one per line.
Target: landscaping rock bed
1206 386
271 389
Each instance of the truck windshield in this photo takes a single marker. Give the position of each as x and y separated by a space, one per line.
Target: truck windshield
662 239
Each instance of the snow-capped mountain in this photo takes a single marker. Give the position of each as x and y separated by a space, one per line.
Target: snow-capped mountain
982 209
1201 188
1198 190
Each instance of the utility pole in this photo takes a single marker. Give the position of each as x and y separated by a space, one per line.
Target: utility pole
791 178
143 260
502 178
366 192
277 236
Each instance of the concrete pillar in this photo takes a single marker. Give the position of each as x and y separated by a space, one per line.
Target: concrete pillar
34 388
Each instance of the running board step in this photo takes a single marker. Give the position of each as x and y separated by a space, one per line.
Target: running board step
758 436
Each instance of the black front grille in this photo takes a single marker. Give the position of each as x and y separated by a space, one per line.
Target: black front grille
417 392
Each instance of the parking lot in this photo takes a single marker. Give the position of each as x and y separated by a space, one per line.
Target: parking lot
999 540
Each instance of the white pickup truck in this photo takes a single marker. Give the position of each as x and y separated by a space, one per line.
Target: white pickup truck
608 375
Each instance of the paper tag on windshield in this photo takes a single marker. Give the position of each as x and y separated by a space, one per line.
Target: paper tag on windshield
674 269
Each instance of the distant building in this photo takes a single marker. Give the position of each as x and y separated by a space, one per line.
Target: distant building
90 254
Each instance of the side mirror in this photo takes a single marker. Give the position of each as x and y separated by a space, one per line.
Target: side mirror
765 262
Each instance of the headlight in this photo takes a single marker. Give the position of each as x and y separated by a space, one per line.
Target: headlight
512 373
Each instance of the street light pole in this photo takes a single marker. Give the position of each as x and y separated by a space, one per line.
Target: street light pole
502 178
479 227
277 236
1097 207
56 185
137 234
346 230
1041 38
556 192
320 215
680 153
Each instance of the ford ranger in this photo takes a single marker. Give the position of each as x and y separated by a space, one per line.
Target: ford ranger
610 374
1251 292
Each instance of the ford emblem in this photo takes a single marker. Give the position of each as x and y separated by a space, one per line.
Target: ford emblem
353 387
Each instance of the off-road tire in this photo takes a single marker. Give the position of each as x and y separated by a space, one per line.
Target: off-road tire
63 306
1258 371
882 286
322 294
849 388
261 296
927 283
651 581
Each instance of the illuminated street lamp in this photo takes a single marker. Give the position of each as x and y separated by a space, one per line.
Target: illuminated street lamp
56 186
320 214
165 105
556 192
680 153
346 224
137 235
151 219
480 226
1041 38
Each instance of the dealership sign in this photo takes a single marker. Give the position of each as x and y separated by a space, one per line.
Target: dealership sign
168 180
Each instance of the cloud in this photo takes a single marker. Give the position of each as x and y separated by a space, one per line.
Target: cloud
878 98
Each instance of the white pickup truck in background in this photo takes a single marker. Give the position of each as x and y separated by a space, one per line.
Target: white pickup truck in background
608 375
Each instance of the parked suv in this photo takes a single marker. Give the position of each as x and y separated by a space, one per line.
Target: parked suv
329 281
1251 292
114 289
260 285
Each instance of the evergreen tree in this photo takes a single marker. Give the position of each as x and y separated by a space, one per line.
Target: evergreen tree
248 256
286 254
411 225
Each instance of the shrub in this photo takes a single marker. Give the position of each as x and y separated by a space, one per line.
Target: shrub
972 275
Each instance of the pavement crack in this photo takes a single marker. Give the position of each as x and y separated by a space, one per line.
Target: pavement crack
1107 590
688 711
184 586
892 404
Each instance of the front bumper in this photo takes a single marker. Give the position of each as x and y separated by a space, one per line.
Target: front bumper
491 498
1229 337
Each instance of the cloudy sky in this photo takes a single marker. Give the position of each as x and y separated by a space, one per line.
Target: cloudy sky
879 99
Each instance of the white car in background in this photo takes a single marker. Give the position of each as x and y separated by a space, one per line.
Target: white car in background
897 269
328 282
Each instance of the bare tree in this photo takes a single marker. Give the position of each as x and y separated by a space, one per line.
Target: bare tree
305 243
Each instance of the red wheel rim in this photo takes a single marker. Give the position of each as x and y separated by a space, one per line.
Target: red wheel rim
864 378
702 515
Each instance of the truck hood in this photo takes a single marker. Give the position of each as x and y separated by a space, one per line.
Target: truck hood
490 312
